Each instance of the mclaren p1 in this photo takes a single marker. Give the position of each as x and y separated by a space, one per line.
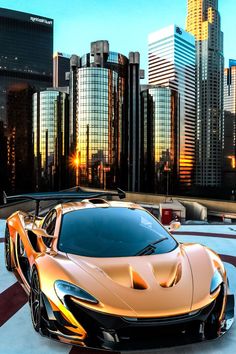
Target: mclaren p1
106 274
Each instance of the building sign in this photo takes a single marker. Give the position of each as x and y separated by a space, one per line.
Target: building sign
41 20
178 30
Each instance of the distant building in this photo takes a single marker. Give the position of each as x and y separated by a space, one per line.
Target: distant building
159 139
203 21
229 151
26 52
171 64
20 148
101 125
4 181
61 66
51 139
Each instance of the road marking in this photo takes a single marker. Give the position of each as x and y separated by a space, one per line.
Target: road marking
11 301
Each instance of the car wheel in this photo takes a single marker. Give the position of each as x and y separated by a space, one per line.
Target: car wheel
35 301
8 250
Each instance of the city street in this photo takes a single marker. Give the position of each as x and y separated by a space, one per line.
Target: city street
18 336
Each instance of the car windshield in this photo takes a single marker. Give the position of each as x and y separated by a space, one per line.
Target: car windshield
112 232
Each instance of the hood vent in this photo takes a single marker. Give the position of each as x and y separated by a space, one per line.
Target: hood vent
173 278
137 282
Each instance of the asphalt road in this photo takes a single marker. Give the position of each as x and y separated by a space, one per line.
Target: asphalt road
17 334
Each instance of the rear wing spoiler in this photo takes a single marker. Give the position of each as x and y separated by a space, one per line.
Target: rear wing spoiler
79 195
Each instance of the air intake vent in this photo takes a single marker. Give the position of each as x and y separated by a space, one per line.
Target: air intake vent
137 282
97 201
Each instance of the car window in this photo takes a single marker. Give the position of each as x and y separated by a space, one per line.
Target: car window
111 232
49 225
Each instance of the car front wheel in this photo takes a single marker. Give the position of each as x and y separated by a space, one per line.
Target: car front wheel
8 250
35 301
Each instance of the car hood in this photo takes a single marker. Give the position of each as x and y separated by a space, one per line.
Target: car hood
144 286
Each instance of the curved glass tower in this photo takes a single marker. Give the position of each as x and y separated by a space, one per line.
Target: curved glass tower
98 124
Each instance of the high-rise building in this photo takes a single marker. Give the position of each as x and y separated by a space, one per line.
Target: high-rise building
26 52
51 139
203 21
61 66
20 148
159 139
3 160
229 151
171 64
100 131
133 138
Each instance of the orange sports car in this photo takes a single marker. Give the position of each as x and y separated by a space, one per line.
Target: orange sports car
106 274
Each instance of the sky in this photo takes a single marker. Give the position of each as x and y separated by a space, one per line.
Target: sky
124 23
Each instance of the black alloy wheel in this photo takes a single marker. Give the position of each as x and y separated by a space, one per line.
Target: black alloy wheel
35 301
8 250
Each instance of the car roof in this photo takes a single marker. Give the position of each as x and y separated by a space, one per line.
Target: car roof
96 203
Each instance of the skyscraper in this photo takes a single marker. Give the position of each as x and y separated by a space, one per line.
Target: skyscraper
229 151
20 157
203 21
100 131
26 52
61 66
171 63
51 139
159 139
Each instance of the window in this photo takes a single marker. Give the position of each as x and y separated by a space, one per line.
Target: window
49 225
111 232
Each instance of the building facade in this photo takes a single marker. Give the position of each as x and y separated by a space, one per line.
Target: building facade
51 139
229 151
100 129
4 184
171 64
203 21
26 52
19 143
61 66
159 139
25 66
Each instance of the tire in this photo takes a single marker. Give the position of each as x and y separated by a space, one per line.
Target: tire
7 250
35 301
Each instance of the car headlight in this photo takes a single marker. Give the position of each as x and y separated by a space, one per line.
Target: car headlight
64 288
216 281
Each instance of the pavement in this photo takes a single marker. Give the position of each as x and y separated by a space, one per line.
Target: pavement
18 336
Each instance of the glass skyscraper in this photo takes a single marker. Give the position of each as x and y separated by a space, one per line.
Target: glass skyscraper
171 63
203 21
50 139
229 151
26 52
159 147
99 117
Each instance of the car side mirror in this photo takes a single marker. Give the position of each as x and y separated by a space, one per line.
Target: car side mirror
174 225
41 232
